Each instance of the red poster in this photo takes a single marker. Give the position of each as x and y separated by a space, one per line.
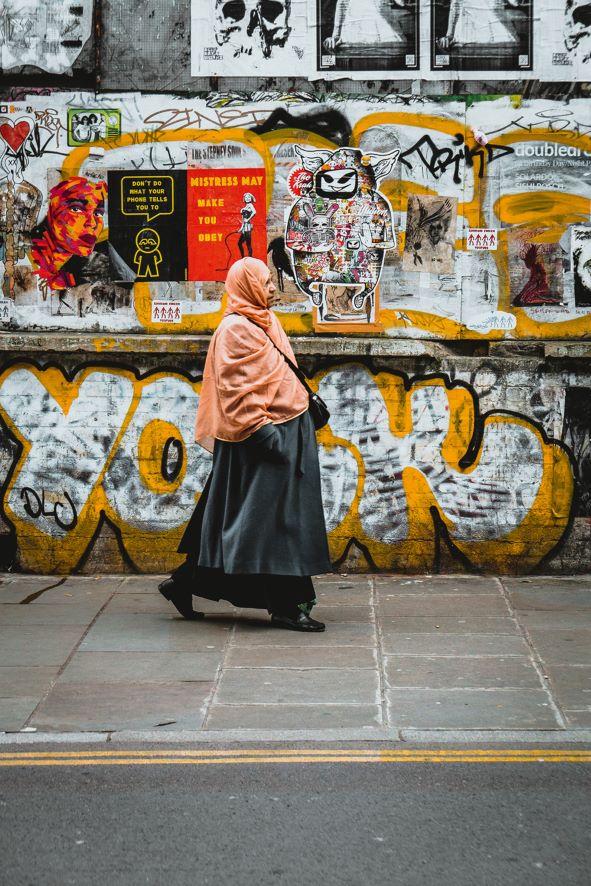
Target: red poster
226 219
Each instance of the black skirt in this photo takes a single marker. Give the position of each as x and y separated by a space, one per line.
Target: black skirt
259 523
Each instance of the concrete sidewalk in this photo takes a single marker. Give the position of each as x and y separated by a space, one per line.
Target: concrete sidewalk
109 654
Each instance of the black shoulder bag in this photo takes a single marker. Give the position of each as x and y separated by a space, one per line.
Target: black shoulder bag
317 407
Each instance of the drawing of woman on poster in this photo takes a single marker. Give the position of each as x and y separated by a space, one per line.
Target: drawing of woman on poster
247 214
474 23
537 290
374 24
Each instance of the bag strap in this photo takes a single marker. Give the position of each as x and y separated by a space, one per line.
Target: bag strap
296 369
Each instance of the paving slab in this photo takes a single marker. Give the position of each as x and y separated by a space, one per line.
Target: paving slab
448 625
40 614
89 585
300 657
567 647
154 632
283 686
260 633
553 620
329 597
470 709
14 712
460 673
140 584
436 643
141 667
61 594
26 681
578 719
141 603
563 600
37 644
546 582
14 591
442 604
571 686
333 615
283 716
90 707
437 584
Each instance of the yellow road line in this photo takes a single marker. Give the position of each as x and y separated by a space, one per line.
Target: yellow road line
306 752
245 757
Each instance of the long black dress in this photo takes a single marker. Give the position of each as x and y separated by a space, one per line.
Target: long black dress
258 532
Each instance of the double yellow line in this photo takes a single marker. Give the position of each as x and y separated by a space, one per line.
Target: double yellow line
231 756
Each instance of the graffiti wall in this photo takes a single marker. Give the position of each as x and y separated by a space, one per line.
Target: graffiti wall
405 217
478 466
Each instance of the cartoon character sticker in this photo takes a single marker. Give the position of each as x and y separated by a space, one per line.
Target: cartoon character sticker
339 230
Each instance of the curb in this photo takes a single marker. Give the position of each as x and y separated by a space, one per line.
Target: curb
410 736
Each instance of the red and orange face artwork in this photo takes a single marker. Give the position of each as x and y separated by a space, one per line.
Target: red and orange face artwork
73 225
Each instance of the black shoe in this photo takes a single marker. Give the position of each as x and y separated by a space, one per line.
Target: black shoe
301 622
180 599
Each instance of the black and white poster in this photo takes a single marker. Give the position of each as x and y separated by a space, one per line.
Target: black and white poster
242 38
564 40
581 264
484 36
374 35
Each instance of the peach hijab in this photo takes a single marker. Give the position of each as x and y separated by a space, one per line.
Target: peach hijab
246 382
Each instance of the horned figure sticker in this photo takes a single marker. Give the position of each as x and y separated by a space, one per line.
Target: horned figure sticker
340 227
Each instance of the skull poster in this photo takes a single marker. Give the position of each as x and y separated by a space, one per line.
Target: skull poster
251 37
376 36
339 229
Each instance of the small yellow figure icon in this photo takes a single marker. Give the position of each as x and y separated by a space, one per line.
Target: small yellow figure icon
147 256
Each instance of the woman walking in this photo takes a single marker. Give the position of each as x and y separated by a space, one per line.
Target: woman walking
258 533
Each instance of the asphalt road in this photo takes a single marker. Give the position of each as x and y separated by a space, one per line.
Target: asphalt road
300 823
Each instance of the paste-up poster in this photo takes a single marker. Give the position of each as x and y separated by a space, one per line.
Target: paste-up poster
148 222
48 35
429 243
237 38
226 219
535 269
355 38
581 264
482 36
563 42
339 229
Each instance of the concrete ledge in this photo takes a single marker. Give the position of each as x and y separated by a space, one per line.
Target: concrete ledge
336 346
232 736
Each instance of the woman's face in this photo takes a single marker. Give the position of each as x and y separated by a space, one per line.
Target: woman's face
273 297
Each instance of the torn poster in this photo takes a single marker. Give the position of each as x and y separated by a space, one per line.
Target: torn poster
48 35
430 234
581 264
535 269
239 38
